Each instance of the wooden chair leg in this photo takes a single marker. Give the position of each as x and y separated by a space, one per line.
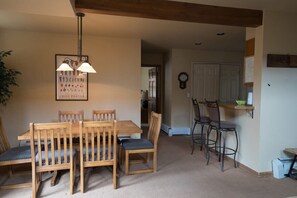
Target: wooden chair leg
33 184
38 182
74 173
71 179
82 180
115 175
155 162
127 162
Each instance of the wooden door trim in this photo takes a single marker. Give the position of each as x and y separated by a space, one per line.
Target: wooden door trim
160 84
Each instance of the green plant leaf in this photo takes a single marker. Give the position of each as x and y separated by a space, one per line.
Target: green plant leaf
8 78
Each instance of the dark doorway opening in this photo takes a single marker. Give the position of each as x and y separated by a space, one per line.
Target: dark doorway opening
150 92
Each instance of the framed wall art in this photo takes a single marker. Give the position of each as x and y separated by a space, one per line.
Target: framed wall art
281 60
71 85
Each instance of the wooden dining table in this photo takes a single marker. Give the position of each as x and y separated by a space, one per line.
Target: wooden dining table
124 128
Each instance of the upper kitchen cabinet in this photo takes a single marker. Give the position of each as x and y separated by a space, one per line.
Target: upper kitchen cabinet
249 62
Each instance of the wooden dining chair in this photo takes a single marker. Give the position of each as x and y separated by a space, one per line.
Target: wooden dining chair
54 156
104 115
98 147
71 116
147 146
74 117
10 156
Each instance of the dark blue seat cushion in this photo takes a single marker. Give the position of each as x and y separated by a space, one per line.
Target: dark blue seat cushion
56 156
134 144
224 125
16 153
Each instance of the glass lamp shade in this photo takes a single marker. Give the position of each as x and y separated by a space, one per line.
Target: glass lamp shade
86 68
64 67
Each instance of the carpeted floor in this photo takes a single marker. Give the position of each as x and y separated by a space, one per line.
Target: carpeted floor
180 175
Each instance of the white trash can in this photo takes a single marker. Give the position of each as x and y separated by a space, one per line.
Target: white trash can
281 166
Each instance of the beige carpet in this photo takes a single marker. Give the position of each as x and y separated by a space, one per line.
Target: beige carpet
180 175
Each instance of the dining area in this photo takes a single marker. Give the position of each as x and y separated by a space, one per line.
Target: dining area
76 145
179 174
42 36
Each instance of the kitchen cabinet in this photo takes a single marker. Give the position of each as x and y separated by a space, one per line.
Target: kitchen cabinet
249 62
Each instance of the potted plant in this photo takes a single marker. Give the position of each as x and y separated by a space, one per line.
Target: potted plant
7 79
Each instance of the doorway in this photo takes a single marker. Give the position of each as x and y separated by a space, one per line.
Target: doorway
150 92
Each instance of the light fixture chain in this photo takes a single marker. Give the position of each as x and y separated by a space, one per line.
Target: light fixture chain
85 66
79 32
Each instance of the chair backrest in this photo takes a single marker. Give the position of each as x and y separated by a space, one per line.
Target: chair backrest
196 109
71 116
98 142
213 111
154 128
104 115
4 144
59 152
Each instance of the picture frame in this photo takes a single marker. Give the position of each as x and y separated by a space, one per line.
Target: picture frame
70 85
282 60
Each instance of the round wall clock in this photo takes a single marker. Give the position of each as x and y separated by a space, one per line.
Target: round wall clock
183 78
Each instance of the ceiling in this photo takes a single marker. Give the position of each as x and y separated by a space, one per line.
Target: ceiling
57 16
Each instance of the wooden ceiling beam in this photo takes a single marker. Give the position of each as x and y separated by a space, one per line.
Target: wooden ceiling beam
173 10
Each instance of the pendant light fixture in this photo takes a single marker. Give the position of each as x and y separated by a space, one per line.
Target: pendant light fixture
64 67
85 66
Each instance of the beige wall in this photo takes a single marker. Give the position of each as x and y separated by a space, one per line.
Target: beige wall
168 90
145 78
248 128
278 101
182 61
116 85
272 129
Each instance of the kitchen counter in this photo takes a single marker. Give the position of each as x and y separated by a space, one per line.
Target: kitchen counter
247 108
238 107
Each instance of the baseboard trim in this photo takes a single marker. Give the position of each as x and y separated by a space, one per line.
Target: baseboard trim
175 131
248 169
259 174
265 174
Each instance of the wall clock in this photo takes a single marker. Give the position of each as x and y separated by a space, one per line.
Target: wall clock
183 78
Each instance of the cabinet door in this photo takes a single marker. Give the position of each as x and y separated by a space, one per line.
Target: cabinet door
249 69
249 62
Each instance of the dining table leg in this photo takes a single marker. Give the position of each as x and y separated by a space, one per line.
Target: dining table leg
55 178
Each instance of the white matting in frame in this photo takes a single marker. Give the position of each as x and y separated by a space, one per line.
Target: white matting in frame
71 85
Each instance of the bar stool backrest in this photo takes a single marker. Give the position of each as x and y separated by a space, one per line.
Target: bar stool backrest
213 111
196 109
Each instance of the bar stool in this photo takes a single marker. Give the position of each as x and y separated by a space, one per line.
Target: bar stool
202 120
222 128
